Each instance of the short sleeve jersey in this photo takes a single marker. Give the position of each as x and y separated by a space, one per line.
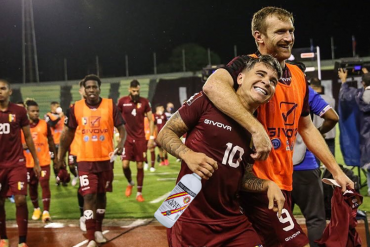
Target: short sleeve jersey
160 120
280 118
221 138
133 114
11 122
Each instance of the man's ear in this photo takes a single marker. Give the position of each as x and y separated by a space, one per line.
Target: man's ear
240 78
258 37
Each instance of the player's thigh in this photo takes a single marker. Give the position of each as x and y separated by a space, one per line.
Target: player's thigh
140 150
89 183
17 178
45 173
273 230
105 180
128 151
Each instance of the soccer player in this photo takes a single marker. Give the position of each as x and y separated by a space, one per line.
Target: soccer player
160 120
133 109
218 149
96 118
13 172
151 150
44 142
286 114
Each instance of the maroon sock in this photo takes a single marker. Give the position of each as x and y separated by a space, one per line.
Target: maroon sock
166 157
90 229
127 172
100 213
22 219
140 179
152 158
45 194
34 195
2 222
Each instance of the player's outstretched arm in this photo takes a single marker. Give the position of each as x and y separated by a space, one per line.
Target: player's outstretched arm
218 89
169 139
317 145
254 184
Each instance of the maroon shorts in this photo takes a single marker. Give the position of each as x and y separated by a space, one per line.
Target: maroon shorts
31 176
13 181
235 234
135 150
274 231
92 183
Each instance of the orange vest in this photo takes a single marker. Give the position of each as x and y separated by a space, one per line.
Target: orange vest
280 118
39 135
75 145
56 131
97 127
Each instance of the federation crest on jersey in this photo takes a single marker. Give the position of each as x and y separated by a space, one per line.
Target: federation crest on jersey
138 105
12 118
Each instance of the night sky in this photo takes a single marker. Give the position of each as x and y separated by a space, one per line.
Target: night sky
79 30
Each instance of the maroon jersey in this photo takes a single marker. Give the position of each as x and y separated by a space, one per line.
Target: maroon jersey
221 138
341 230
160 120
133 114
11 122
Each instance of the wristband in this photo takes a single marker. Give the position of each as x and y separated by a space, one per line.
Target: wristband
151 138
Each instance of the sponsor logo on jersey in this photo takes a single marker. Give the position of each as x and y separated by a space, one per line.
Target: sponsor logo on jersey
102 138
84 120
288 110
217 124
95 121
276 143
86 138
94 138
292 236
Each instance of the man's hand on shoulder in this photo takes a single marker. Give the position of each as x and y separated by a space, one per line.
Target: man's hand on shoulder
262 144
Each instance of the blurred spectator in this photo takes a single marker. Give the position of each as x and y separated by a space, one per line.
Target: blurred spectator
362 98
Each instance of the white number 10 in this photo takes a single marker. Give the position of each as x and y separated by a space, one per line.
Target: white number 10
229 157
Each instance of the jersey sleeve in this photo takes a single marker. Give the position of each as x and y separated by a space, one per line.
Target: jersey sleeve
235 66
117 116
24 118
192 110
148 108
318 105
306 105
70 120
119 105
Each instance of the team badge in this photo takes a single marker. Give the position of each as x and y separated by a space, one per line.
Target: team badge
276 143
186 199
138 105
12 118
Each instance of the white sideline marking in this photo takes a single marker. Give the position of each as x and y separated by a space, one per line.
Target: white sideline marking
148 174
166 179
85 241
135 223
161 198
54 225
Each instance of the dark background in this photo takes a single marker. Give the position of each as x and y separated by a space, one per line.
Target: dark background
79 30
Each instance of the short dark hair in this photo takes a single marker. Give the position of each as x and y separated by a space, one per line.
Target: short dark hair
134 83
267 60
54 103
30 102
91 77
366 79
316 82
6 82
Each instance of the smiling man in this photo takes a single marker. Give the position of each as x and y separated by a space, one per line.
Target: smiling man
96 118
218 150
286 114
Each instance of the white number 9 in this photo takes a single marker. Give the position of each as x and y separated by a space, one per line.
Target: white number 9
285 219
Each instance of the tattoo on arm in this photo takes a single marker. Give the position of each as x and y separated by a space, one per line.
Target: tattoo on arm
169 137
251 182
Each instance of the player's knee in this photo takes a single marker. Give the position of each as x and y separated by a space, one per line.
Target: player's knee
20 200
